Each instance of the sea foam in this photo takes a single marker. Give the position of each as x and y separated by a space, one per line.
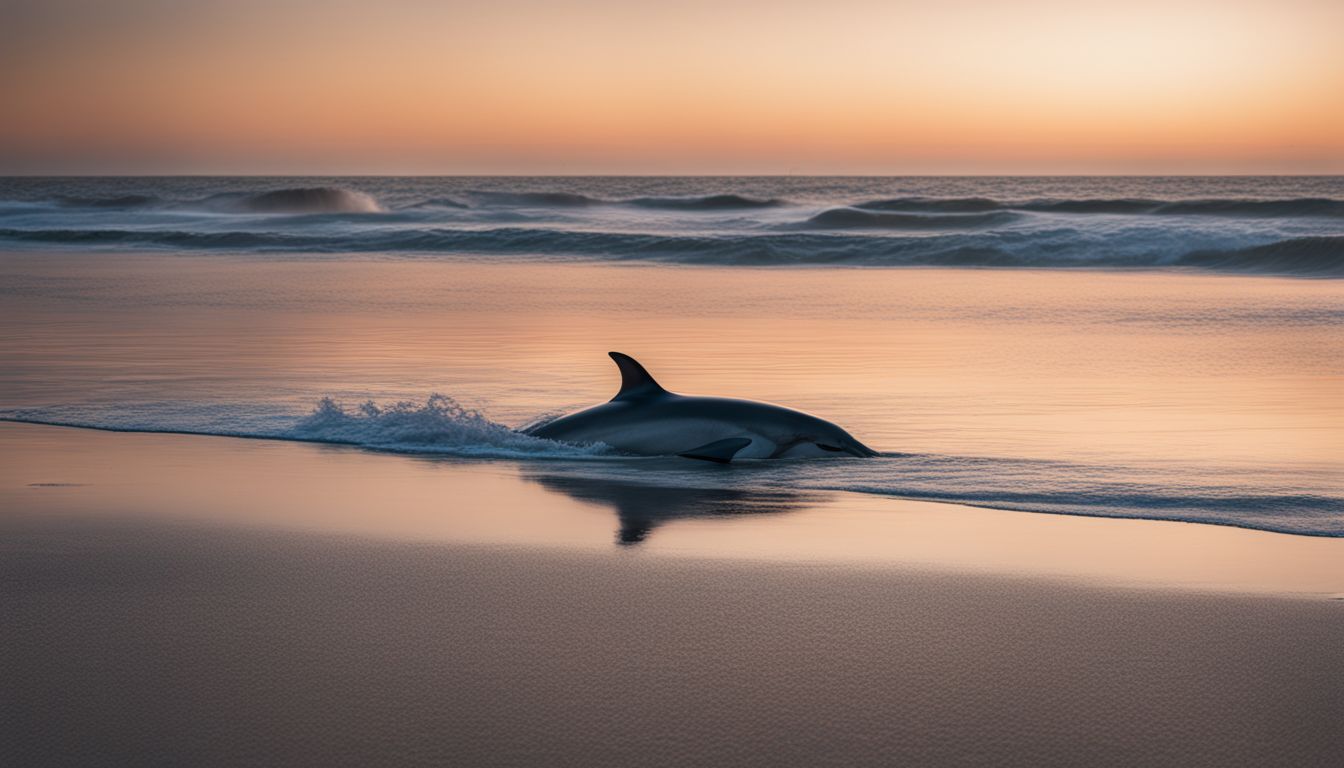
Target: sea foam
439 425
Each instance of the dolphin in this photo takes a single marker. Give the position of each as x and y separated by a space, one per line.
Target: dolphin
647 420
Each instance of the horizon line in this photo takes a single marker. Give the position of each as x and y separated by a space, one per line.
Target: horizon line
668 175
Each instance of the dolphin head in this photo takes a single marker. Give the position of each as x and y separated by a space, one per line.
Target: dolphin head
820 437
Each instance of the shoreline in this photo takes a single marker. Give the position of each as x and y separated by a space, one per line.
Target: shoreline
560 460
521 505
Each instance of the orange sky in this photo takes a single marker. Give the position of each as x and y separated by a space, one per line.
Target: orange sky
701 86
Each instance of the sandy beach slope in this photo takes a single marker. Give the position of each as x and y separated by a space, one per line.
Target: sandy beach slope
132 635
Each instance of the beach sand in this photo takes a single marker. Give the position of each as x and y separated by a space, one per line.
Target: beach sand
183 600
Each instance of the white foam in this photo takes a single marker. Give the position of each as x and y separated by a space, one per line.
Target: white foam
439 425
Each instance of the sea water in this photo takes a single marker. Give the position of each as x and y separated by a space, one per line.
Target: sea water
1149 347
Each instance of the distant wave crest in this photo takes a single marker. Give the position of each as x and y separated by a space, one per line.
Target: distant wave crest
1298 207
706 203
439 202
858 218
304 200
300 200
1316 256
336 199
546 199
119 201
1321 207
933 205
575 200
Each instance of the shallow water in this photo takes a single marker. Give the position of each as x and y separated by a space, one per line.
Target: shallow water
76 479
1174 396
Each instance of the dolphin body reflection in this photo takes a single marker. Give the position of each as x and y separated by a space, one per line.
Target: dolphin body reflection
642 508
647 420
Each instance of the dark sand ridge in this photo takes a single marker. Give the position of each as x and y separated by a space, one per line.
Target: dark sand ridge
137 638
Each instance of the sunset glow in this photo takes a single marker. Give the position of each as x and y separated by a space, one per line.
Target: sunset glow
969 86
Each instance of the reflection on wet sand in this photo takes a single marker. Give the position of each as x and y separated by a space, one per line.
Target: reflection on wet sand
641 508
64 474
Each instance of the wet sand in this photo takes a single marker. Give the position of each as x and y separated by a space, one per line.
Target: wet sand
329 606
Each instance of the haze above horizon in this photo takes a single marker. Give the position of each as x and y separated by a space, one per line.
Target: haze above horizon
970 87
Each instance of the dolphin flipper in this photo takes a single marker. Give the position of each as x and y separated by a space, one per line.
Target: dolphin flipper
720 451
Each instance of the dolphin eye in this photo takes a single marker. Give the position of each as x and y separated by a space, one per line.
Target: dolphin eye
830 448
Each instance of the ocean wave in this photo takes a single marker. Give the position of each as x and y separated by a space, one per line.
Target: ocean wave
1307 207
537 199
1125 206
857 218
1233 207
301 200
119 201
574 200
933 205
339 199
1320 256
439 202
705 202
156 237
1304 256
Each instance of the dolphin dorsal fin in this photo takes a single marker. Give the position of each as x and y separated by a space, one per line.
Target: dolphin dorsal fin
635 381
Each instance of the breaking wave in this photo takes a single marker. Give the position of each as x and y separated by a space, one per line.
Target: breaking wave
290 200
303 200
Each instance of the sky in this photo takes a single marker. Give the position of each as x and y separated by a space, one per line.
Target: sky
694 87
